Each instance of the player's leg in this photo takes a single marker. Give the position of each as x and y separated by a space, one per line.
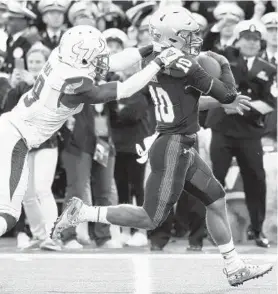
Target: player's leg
13 175
43 179
32 206
39 203
170 160
201 183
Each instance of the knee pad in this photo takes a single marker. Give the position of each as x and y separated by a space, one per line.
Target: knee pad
10 220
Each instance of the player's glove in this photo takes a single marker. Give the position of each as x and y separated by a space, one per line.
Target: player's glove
219 58
168 56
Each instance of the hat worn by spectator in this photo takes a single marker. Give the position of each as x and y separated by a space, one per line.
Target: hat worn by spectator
144 24
270 20
114 34
224 9
202 22
16 10
81 9
250 29
53 5
3 5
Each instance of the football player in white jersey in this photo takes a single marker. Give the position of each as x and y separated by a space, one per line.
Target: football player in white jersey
64 86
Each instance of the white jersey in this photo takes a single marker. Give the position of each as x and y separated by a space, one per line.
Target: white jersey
39 112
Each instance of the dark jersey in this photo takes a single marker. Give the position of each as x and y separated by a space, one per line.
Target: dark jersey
176 92
176 105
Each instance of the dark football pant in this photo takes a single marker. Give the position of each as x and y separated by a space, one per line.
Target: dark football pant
249 155
176 165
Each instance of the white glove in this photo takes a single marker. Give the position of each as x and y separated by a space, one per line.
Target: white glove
168 56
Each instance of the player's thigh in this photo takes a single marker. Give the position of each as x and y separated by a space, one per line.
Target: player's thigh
169 164
13 169
201 183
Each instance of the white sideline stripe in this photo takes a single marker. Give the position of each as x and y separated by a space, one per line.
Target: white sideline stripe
94 255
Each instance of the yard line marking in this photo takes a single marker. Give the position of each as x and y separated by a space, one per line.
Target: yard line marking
94 255
142 275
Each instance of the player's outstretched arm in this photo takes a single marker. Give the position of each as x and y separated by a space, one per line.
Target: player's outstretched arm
239 105
140 79
86 92
128 57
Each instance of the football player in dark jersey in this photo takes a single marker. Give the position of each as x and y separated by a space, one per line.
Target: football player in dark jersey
175 164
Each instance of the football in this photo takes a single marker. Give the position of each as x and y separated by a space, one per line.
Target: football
210 65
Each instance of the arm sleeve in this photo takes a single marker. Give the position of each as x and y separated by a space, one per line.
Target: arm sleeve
100 94
128 57
223 89
137 81
81 90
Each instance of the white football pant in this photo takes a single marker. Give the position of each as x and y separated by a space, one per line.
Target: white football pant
39 203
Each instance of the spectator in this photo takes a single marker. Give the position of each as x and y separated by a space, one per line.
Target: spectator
270 20
202 22
130 122
143 37
19 37
240 136
220 34
3 33
39 203
82 13
89 160
111 16
52 12
90 154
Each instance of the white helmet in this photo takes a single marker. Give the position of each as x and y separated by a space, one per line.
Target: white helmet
175 26
85 47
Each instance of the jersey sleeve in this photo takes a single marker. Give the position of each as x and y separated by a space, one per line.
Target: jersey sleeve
146 51
81 90
222 89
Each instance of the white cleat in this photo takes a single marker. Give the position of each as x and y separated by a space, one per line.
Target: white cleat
246 273
69 218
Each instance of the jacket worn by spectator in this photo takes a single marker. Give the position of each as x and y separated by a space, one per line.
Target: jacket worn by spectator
12 99
16 47
131 122
49 41
255 83
83 136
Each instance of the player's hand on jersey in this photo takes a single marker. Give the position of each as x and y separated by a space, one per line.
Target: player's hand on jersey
218 57
168 56
240 104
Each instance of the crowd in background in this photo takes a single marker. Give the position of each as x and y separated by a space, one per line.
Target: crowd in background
94 156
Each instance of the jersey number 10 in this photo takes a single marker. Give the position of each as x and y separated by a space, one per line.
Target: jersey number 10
163 106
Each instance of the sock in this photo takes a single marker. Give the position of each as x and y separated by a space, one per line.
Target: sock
231 259
3 226
95 214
